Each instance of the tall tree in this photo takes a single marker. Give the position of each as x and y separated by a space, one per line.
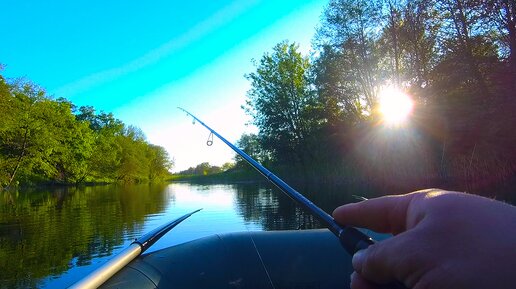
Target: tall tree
250 144
392 38
281 102
463 35
501 14
159 162
74 145
338 92
351 28
28 141
418 41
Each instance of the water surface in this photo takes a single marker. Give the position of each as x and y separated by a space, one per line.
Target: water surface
50 238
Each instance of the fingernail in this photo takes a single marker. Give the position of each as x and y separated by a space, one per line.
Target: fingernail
358 260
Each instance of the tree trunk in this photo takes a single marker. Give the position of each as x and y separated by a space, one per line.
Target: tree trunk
20 158
462 28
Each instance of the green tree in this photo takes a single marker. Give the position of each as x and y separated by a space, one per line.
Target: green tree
159 162
7 115
337 89
42 140
134 164
250 144
27 141
100 122
227 166
420 24
282 103
463 38
203 169
501 15
74 144
351 28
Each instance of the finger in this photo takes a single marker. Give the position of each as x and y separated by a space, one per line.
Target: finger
390 260
358 282
385 214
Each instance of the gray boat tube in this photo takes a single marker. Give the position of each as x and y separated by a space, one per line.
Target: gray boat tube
115 264
248 259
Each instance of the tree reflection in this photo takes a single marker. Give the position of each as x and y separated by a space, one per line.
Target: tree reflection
46 233
273 210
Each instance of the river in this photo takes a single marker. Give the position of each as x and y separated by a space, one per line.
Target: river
49 238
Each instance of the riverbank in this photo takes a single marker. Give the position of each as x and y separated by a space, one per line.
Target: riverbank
62 185
228 176
318 179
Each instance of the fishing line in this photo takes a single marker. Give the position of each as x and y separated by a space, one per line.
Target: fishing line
259 256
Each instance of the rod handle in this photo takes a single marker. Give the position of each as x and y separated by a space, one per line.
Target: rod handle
353 240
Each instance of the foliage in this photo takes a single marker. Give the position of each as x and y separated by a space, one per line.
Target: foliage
350 27
456 58
282 102
250 144
43 141
204 169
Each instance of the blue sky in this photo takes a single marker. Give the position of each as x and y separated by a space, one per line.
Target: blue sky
142 60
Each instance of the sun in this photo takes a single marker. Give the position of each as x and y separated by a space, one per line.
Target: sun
395 106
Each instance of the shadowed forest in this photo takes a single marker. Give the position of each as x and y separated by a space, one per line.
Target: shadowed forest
318 114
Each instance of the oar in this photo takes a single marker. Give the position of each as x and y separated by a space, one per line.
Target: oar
107 270
351 238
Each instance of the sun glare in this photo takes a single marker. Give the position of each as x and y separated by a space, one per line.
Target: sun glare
395 106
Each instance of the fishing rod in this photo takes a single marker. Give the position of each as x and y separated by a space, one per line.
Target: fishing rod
351 239
140 245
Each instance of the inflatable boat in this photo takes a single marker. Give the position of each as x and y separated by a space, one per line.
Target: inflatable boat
275 259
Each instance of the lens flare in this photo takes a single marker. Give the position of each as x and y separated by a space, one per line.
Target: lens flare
394 105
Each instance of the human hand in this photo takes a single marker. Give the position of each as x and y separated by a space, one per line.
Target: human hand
441 240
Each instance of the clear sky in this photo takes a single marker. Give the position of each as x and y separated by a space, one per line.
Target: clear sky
142 59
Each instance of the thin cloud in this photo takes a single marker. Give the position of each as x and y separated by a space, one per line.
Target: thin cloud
197 32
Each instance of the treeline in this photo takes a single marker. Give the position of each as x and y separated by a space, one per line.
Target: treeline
318 115
45 140
204 169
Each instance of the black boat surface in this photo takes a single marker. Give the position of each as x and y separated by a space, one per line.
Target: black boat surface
274 259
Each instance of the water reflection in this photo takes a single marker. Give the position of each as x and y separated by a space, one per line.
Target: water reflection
51 238
45 233
272 209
